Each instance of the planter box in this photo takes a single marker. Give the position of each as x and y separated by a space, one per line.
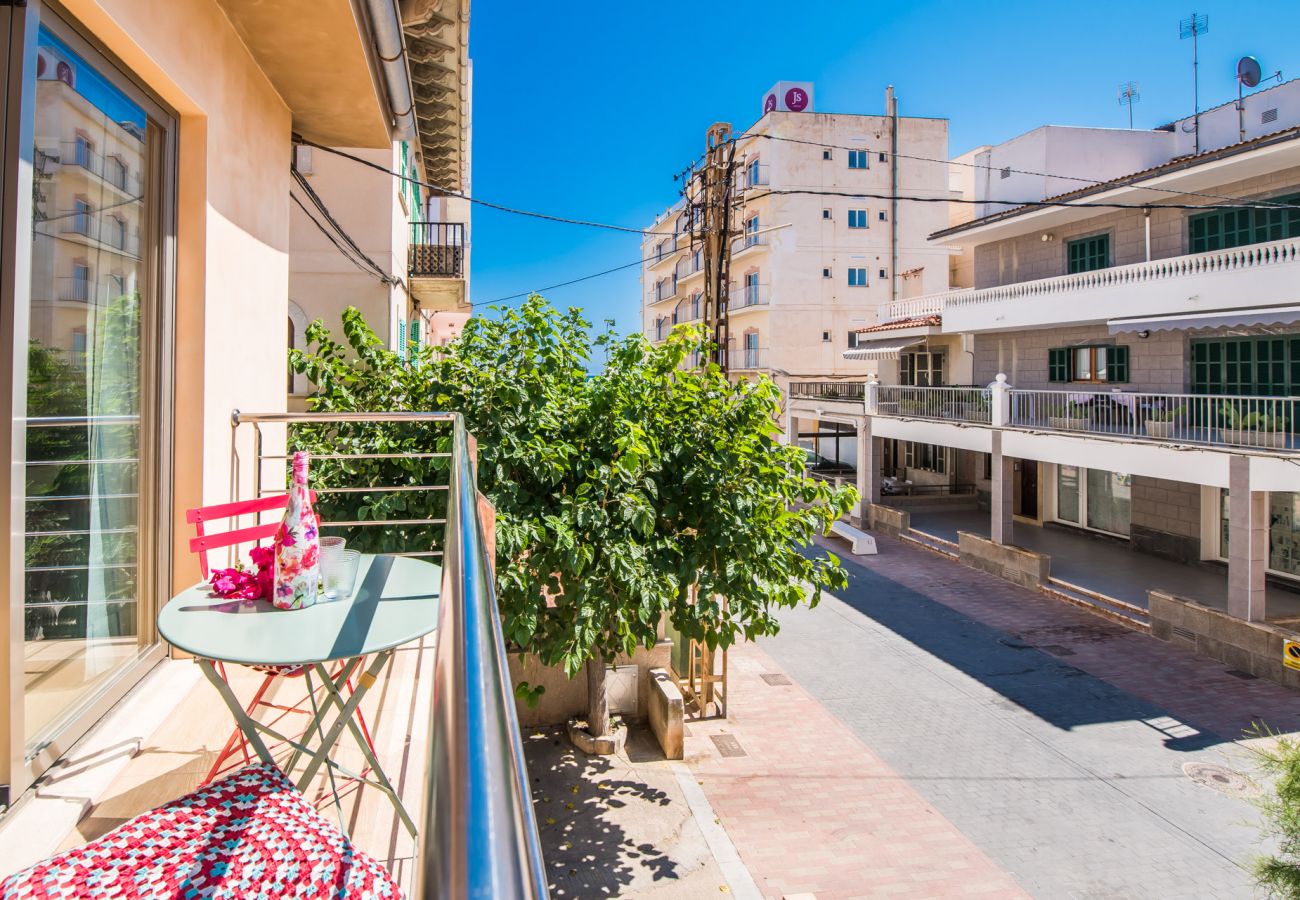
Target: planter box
1065 423
1273 440
1158 429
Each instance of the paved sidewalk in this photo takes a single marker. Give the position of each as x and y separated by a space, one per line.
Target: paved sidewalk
1050 740
813 810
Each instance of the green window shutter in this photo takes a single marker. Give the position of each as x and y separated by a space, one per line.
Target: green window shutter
1117 364
415 339
401 338
1088 254
1058 364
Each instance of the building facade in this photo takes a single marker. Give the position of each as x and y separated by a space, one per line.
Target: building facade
1135 371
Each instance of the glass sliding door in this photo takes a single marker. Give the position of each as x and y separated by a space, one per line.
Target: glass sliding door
93 349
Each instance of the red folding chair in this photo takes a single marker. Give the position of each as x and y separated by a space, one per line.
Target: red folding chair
200 544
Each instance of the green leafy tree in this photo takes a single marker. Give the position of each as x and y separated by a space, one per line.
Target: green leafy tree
644 491
1278 757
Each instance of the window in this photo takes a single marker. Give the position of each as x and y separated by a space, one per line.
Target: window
883 157
857 218
83 151
826 213
752 236
856 339
752 296
883 216
925 457
883 274
921 369
115 171
1283 531
753 173
1094 498
826 272
857 276
1266 366
1088 254
80 287
857 159
826 154
1224 228
826 337
1100 363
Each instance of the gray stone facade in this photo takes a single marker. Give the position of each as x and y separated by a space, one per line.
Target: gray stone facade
1166 519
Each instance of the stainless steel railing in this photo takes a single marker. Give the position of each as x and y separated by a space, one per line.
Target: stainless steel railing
960 404
478 835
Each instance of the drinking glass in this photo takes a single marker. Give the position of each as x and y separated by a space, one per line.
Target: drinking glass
331 562
349 563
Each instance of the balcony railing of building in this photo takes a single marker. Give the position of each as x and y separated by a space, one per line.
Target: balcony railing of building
437 250
747 358
953 404
107 231
662 252
748 295
477 832
748 241
1256 423
916 307
754 175
111 169
828 390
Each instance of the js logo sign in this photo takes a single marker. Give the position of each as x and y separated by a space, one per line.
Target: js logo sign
1291 654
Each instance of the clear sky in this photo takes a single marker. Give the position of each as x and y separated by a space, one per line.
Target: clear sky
587 108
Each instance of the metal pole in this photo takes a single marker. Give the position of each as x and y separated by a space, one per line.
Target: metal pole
891 109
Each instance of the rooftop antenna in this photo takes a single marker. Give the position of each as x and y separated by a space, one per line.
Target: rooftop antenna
1192 27
1129 93
1249 75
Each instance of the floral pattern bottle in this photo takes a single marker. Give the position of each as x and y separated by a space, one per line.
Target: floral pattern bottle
297 546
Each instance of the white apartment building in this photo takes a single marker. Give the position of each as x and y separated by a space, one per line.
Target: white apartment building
1135 439
818 264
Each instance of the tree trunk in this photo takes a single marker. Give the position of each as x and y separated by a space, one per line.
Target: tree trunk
597 698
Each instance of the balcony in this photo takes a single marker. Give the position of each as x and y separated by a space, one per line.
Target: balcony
949 404
754 176
748 242
748 297
828 390
110 170
1240 278
747 359
436 265
916 307
660 255
443 710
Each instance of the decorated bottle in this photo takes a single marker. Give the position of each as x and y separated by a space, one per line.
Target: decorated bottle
297 546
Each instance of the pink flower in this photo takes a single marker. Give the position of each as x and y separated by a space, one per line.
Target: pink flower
309 556
266 582
263 557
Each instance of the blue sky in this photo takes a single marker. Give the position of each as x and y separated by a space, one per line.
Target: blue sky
586 109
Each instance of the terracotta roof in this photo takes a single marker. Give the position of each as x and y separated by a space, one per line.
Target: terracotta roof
1130 180
915 322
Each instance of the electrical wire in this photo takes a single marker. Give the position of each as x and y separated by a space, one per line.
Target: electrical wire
382 276
1083 204
1092 181
572 281
334 223
447 192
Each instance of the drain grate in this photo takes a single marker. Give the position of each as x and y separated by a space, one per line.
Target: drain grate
1220 778
775 678
728 745
1244 676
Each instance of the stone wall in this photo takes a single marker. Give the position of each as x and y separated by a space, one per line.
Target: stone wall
1029 257
1157 364
1015 564
1166 519
565 698
887 520
1254 647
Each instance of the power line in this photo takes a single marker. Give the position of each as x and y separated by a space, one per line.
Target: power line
382 276
334 223
572 281
447 192
1093 181
1083 204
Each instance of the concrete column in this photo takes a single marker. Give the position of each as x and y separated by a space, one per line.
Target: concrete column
1247 543
1003 493
872 395
999 402
869 453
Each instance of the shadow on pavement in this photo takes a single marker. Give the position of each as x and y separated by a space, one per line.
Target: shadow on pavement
1018 667
587 807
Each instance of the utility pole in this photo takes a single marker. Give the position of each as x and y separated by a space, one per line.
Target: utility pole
716 194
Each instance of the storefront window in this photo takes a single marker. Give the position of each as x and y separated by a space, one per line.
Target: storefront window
1094 498
1284 532
94 290
1067 493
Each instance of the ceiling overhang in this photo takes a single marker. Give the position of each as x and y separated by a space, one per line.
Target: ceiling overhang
437 51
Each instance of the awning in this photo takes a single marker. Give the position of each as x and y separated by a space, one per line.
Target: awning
1268 315
887 349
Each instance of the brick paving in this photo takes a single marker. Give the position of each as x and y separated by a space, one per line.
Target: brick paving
812 810
950 734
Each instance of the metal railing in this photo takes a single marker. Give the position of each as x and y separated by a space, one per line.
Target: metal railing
111 169
828 390
437 250
663 252
755 175
1257 423
745 296
478 834
954 404
748 240
105 230
747 358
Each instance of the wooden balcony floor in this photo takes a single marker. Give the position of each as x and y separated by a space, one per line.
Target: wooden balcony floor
175 757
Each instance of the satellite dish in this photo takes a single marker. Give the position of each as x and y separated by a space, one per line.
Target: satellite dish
1248 71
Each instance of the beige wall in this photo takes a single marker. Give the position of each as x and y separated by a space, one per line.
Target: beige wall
1029 257
232 229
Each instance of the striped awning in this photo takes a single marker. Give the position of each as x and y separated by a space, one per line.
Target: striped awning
884 349
1266 315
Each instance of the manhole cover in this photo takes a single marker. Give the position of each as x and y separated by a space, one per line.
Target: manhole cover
774 678
728 745
1221 779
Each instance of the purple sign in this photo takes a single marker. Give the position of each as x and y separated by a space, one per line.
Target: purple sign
796 99
769 105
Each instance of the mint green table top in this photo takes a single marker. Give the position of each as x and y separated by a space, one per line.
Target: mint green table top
395 600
